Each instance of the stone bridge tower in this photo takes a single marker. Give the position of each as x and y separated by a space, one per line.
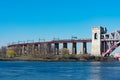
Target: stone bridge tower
96 40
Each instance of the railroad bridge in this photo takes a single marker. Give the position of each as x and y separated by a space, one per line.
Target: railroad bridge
103 44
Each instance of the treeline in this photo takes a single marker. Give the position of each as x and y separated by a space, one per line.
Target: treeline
11 53
64 55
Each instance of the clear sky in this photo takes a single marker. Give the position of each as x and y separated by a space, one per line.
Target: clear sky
22 20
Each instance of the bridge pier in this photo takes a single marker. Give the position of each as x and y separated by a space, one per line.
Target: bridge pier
97 40
26 49
36 49
64 45
42 49
104 46
84 48
19 50
45 48
48 48
33 48
56 48
23 49
74 48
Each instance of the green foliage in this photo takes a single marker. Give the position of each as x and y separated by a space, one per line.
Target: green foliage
10 53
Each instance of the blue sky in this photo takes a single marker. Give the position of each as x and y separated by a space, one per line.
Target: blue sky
22 20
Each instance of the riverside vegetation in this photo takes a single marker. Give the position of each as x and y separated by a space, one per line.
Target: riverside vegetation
64 56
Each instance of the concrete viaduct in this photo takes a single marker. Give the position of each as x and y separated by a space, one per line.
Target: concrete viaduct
48 47
103 44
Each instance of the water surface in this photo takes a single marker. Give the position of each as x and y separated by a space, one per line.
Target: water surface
20 70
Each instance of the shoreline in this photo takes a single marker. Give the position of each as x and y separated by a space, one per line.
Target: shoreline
59 58
95 59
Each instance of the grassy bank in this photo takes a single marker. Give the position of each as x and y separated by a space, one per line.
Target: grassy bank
61 57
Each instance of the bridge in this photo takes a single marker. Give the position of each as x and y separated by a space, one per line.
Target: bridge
103 44
49 47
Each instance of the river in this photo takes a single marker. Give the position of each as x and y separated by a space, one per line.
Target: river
23 70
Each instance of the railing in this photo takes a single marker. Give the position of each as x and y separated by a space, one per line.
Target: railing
43 41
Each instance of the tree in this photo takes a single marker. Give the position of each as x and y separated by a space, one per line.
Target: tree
10 53
65 51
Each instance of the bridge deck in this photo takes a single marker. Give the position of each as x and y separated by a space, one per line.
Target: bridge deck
54 41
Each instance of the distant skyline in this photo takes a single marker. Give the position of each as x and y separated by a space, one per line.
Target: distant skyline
22 20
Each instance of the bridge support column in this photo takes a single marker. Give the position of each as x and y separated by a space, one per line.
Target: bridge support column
104 46
48 48
41 48
74 48
19 50
23 50
96 41
84 48
38 48
45 48
15 49
64 45
29 49
56 48
97 36
35 48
